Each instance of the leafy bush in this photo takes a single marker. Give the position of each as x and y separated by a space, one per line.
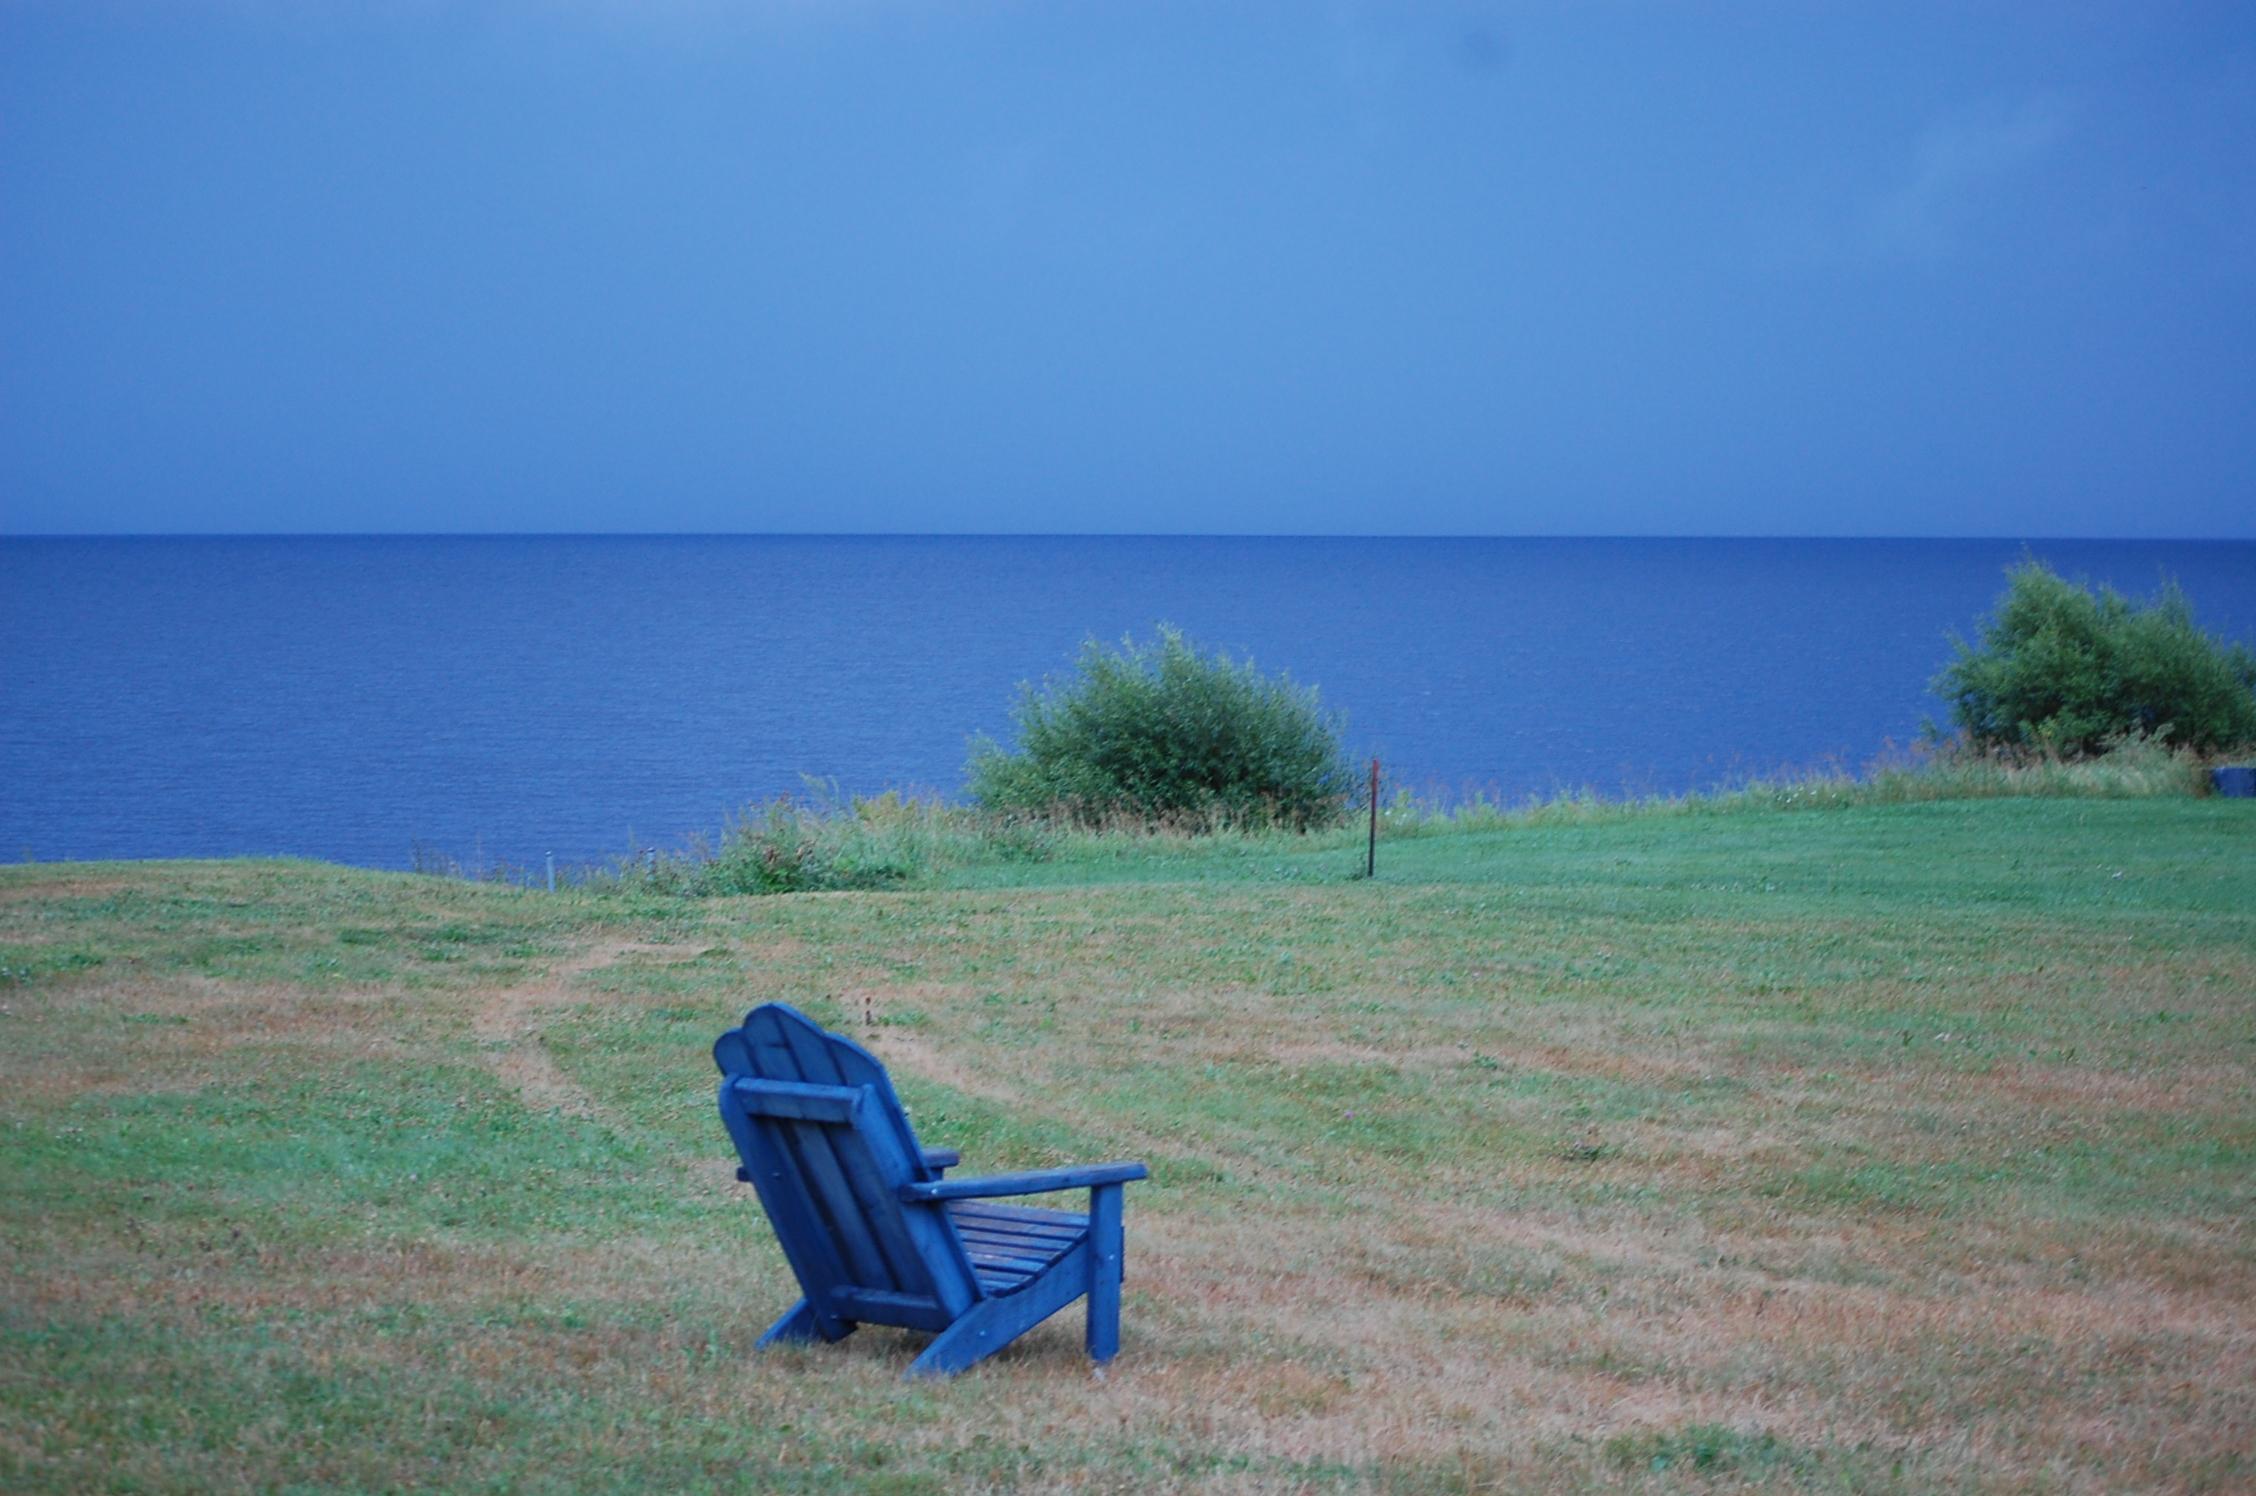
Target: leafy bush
2064 670
1161 734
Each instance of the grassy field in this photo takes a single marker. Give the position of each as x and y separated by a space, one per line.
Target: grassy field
1903 1147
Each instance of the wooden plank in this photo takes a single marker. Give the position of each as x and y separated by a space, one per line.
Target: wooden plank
773 1160
1013 1269
993 1323
1025 1257
874 1174
1018 1230
732 1052
1012 1218
1031 1262
856 1066
772 1059
811 1050
780 1044
926 1254
803 1322
1010 1245
1031 1215
1028 1182
783 1098
1027 1214
804 1154
783 1198
909 1311
871 1181
802 1225
942 1264
1011 1242
1105 1244
841 1212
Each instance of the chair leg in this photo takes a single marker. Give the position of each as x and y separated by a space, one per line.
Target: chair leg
1105 1246
801 1322
989 1325
963 1344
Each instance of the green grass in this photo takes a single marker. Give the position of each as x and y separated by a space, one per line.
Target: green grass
1887 1146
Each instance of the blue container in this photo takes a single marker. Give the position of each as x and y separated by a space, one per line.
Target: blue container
2235 782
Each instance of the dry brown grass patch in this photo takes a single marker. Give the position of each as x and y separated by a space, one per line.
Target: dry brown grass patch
910 1052
58 890
508 1022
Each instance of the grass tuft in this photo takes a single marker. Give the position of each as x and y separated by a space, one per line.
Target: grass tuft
1704 1449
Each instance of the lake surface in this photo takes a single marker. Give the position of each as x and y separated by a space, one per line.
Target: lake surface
503 698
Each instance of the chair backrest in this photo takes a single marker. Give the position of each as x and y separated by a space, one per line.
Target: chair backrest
826 1144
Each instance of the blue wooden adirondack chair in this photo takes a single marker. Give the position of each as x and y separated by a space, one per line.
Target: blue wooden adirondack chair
874 1232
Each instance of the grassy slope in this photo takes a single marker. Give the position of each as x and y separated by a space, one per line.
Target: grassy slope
1887 1148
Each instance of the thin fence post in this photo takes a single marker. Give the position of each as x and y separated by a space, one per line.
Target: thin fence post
1371 854
552 872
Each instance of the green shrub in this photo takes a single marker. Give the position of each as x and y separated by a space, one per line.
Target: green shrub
1161 734
2064 670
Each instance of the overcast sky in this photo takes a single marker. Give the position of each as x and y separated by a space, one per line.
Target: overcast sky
1824 269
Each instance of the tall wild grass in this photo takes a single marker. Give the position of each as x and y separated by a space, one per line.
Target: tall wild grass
2133 767
823 841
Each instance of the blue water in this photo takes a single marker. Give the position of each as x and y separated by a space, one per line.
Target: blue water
503 698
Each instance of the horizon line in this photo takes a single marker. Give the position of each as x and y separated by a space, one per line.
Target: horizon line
2025 539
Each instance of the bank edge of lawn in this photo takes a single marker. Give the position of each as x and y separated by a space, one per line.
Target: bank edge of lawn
1875 1148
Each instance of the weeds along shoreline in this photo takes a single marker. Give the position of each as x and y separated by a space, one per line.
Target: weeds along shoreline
823 840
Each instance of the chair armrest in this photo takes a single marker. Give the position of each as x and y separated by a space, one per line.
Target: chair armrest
1034 1182
937 1159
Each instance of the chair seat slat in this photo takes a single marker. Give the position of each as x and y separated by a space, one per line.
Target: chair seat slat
1014 1231
1024 1215
1036 1251
1055 1225
1031 1262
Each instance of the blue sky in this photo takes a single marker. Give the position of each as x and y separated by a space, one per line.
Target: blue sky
1825 269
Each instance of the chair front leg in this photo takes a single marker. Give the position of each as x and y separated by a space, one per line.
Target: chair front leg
802 1322
1105 1246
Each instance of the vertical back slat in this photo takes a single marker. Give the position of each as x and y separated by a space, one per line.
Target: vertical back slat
824 1058
858 1067
873 1183
782 1055
774 1170
839 1207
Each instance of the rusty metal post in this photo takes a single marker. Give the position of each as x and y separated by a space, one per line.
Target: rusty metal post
1371 856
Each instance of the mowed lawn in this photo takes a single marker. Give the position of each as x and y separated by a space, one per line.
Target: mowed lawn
1902 1148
